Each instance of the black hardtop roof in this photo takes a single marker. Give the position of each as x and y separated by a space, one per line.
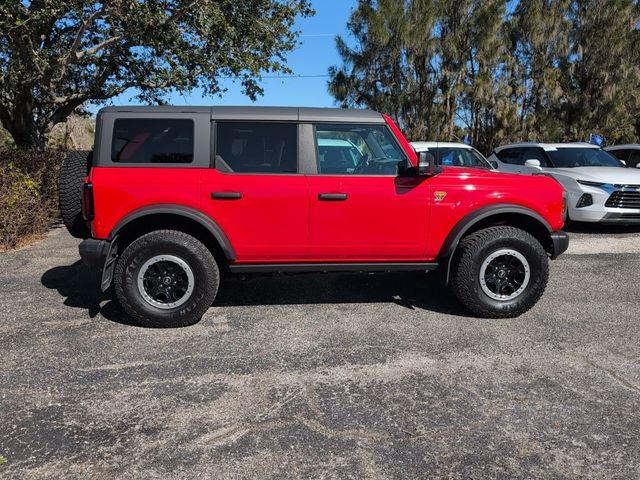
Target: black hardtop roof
295 114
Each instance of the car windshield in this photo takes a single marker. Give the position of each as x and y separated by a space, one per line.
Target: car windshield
582 157
460 157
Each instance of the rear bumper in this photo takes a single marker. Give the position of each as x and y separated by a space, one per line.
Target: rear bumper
560 241
94 252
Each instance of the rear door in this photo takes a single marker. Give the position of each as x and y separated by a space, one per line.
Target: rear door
256 193
361 209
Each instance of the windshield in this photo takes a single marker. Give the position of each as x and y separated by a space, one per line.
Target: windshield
460 157
582 157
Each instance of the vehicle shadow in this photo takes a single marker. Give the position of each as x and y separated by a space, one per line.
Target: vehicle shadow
413 290
80 287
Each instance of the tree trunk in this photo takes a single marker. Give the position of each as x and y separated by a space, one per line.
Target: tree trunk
27 138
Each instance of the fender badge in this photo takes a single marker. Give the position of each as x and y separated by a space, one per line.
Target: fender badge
440 196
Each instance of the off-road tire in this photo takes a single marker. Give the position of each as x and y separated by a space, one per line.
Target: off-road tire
166 242
475 249
72 174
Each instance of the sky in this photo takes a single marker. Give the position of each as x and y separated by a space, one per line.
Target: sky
313 57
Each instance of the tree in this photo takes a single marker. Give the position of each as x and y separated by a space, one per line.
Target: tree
415 60
496 70
601 75
55 56
389 68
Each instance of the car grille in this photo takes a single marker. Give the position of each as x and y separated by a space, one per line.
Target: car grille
624 199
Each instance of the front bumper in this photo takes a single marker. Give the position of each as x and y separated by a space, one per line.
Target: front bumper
560 241
599 212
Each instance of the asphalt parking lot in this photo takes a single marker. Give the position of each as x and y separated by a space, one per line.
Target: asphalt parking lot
323 376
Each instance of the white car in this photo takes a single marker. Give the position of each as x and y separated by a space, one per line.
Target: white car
599 186
338 156
629 154
453 154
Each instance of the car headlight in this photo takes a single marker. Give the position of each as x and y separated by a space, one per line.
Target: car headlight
591 184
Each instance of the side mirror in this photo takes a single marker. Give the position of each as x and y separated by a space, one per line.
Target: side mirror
427 164
494 164
623 162
533 164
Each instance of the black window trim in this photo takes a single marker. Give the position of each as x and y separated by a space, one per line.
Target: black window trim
105 126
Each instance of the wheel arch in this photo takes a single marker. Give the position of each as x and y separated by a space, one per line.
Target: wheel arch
494 215
175 217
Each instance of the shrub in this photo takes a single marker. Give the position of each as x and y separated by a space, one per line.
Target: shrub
28 194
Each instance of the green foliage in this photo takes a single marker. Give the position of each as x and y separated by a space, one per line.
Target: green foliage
28 194
498 70
55 56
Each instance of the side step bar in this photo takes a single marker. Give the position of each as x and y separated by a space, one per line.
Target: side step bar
331 267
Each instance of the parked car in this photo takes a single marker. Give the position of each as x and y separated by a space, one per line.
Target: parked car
599 187
173 196
338 156
629 154
453 154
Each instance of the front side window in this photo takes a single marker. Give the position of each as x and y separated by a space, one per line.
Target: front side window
534 153
144 140
512 156
620 154
460 157
254 147
357 150
582 157
634 158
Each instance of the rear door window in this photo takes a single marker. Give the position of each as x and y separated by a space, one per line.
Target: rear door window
145 140
254 147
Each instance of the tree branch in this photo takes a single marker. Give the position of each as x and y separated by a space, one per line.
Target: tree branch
98 47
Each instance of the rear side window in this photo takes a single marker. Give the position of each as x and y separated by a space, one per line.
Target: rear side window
254 147
144 140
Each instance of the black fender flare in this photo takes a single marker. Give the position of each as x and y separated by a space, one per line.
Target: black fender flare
191 213
464 225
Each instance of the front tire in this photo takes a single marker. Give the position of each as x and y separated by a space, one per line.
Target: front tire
499 272
166 279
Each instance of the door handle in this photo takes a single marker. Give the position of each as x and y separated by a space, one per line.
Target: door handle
332 197
226 195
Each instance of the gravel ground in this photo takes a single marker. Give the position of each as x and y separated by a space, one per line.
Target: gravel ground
323 376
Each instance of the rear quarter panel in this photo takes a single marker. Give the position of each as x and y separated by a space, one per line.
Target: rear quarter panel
120 191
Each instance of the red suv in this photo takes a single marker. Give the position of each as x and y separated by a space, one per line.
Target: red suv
173 196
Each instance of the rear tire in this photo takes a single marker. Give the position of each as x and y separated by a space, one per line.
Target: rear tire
166 279
499 272
74 170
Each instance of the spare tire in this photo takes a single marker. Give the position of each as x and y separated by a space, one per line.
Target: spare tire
74 169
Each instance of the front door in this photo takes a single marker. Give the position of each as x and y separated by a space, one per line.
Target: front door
255 193
361 210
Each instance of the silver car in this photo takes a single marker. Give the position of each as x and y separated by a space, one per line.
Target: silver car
453 154
599 186
629 154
